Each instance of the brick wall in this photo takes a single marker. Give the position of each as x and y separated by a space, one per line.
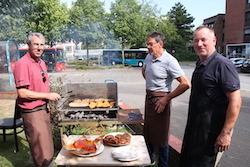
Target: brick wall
234 21
174 151
8 95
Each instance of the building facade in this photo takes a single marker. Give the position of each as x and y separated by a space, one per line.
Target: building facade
218 24
233 27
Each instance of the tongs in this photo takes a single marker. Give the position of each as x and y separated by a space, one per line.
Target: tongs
65 95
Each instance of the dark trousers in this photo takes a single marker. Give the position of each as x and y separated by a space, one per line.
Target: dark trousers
163 154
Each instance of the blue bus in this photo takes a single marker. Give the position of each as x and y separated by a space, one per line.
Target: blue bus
132 57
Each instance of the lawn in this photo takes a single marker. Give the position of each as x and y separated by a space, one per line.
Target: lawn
7 156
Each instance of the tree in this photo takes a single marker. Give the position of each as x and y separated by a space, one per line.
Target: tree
169 30
132 22
125 21
13 15
87 23
183 21
146 23
48 17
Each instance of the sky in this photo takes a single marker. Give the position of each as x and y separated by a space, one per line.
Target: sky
199 9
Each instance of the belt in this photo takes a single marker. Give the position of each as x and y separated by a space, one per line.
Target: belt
151 97
38 108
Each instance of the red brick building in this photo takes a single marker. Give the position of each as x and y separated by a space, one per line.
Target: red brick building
217 23
232 27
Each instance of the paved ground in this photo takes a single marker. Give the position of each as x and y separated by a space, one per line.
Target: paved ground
131 89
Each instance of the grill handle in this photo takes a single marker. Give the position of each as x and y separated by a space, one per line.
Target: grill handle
111 80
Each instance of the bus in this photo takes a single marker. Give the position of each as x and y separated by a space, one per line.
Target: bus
132 57
53 58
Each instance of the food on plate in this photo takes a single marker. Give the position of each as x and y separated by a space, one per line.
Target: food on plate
83 145
109 139
118 139
122 139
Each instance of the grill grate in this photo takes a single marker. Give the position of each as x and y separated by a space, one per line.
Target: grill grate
72 91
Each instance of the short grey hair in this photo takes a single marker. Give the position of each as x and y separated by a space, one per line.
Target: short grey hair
39 35
205 26
158 36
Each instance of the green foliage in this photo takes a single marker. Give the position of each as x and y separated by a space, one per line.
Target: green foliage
18 17
78 130
131 21
13 15
124 19
87 23
183 22
50 18
185 55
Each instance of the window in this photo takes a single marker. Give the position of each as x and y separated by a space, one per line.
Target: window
68 48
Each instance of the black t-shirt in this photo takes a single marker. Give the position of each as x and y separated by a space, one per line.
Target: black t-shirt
220 76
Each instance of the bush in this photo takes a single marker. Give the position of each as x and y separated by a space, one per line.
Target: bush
185 55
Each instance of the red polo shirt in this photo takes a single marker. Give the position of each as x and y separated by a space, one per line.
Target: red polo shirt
28 72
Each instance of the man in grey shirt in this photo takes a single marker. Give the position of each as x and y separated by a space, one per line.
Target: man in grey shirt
159 70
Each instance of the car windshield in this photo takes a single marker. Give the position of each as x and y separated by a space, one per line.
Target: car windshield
240 61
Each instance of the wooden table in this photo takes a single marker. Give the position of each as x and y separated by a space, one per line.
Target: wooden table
105 158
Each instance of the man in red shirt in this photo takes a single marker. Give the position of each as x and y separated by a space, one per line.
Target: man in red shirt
32 83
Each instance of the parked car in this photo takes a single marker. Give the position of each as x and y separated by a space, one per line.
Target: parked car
245 66
235 60
239 63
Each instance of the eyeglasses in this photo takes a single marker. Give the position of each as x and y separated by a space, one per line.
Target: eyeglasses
37 45
151 44
43 75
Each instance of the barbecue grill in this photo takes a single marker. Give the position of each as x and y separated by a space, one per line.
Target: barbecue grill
72 91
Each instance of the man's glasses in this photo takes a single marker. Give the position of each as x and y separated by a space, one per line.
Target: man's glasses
43 75
37 45
151 44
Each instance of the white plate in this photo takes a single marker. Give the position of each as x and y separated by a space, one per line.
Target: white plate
99 151
114 134
126 153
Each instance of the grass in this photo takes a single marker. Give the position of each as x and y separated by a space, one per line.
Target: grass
7 156
82 65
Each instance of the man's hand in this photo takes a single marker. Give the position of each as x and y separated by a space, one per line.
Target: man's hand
53 96
161 103
223 142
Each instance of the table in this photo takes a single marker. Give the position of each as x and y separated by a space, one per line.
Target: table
105 158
